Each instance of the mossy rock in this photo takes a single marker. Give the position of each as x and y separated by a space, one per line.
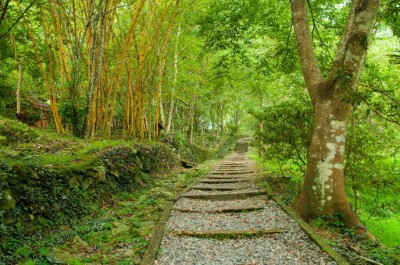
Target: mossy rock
59 256
75 181
157 158
86 182
15 131
7 202
160 192
119 228
3 140
101 174
3 179
10 153
22 173
78 242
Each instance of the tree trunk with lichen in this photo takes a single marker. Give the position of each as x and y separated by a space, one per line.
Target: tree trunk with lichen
323 192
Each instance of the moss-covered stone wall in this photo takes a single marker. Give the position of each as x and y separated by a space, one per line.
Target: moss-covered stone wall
33 192
47 179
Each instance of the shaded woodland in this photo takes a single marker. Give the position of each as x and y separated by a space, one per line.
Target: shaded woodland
315 82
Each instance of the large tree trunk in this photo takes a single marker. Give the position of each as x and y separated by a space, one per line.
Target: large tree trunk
324 187
323 192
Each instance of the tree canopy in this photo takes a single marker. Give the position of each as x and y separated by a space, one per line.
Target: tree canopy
296 75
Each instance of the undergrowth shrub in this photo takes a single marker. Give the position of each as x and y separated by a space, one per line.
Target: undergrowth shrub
286 134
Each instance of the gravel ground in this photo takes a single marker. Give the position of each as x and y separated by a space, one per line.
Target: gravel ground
215 177
204 205
232 167
224 181
262 250
227 177
230 175
290 247
270 217
195 192
238 185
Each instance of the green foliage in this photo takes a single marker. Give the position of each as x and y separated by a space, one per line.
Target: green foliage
378 91
7 96
387 229
391 13
372 170
288 187
73 112
231 56
237 22
286 134
395 57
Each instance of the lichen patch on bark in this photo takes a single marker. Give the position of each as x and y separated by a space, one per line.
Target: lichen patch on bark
326 167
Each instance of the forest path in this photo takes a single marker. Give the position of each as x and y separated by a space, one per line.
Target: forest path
225 219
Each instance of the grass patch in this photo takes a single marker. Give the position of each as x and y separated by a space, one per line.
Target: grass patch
387 230
96 146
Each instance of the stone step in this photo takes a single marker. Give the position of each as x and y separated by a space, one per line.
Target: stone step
210 188
235 180
221 210
227 233
225 196
230 173
224 177
233 166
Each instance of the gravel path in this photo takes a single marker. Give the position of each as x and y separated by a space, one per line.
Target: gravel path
195 192
204 205
293 246
238 185
270 217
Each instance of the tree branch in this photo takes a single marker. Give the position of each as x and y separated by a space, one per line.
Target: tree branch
315 24
4 10
353 46
18 19
342 45
287 41
380 115
309 64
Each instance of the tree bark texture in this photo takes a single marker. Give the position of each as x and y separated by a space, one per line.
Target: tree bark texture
323 192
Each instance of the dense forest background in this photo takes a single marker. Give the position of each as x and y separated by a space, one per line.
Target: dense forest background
199 70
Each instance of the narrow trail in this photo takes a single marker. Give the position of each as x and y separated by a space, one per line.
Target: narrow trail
226 219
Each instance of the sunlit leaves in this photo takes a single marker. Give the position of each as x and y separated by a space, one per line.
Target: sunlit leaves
391 15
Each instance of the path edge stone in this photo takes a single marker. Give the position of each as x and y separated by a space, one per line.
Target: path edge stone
155 241
152 250
336 256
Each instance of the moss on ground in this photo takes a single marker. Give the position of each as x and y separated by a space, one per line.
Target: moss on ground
117 232
49 183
